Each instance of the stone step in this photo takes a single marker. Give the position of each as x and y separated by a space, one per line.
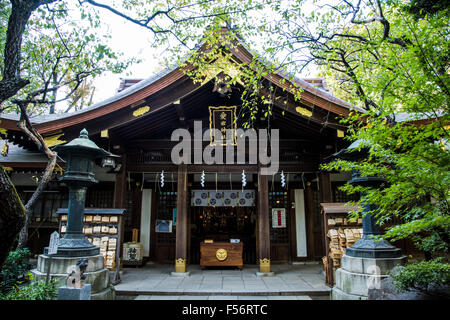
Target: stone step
221 297
321 293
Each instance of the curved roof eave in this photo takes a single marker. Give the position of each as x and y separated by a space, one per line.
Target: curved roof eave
247 55
44 121
151 85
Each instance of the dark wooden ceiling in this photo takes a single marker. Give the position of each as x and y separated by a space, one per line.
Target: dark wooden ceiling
194 107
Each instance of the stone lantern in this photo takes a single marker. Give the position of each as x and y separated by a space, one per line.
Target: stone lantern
368 261
80 155
368 246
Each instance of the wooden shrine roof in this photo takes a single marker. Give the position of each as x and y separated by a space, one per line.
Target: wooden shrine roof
160 92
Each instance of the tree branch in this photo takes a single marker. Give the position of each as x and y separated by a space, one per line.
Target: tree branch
11 81
25 125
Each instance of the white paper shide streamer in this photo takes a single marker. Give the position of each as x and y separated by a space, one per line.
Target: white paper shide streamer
202 179
244 179
162 178
283 179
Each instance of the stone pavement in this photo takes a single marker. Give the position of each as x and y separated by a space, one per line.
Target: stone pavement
291 281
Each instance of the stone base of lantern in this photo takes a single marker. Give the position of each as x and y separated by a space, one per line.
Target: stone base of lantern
96 273
357 275
78 247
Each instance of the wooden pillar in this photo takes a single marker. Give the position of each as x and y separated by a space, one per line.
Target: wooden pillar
263 223
326 196
120 193
182 221
120 186
155 201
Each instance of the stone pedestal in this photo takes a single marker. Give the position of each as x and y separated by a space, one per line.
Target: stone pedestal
96 274
265 274
357 275
180 274
83 293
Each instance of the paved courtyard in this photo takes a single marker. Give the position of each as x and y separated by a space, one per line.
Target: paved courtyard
290 282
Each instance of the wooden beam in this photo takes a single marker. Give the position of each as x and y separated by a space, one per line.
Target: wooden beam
222 168
169 167
158 144
157 167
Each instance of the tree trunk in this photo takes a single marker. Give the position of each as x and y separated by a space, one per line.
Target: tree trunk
12 215
12 211
11 82
23 236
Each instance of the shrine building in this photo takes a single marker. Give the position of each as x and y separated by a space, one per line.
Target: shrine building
173 209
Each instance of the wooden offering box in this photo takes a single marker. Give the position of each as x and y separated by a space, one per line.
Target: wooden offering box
221 254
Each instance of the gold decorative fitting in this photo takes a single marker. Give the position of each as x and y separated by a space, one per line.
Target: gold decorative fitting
340 133
104 133
141 111
5 149
264 265
304 112
53 140
221 254
180 265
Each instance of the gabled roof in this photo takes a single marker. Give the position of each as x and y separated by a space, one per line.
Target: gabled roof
313 96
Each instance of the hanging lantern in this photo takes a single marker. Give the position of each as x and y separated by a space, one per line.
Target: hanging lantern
202 179
162 178
108 162
283 179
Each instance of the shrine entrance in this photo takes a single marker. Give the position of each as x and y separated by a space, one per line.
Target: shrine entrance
223 222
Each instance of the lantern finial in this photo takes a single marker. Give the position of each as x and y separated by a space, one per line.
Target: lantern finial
84 134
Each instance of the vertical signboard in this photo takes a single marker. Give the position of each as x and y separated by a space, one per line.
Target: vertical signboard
279 218
223 118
